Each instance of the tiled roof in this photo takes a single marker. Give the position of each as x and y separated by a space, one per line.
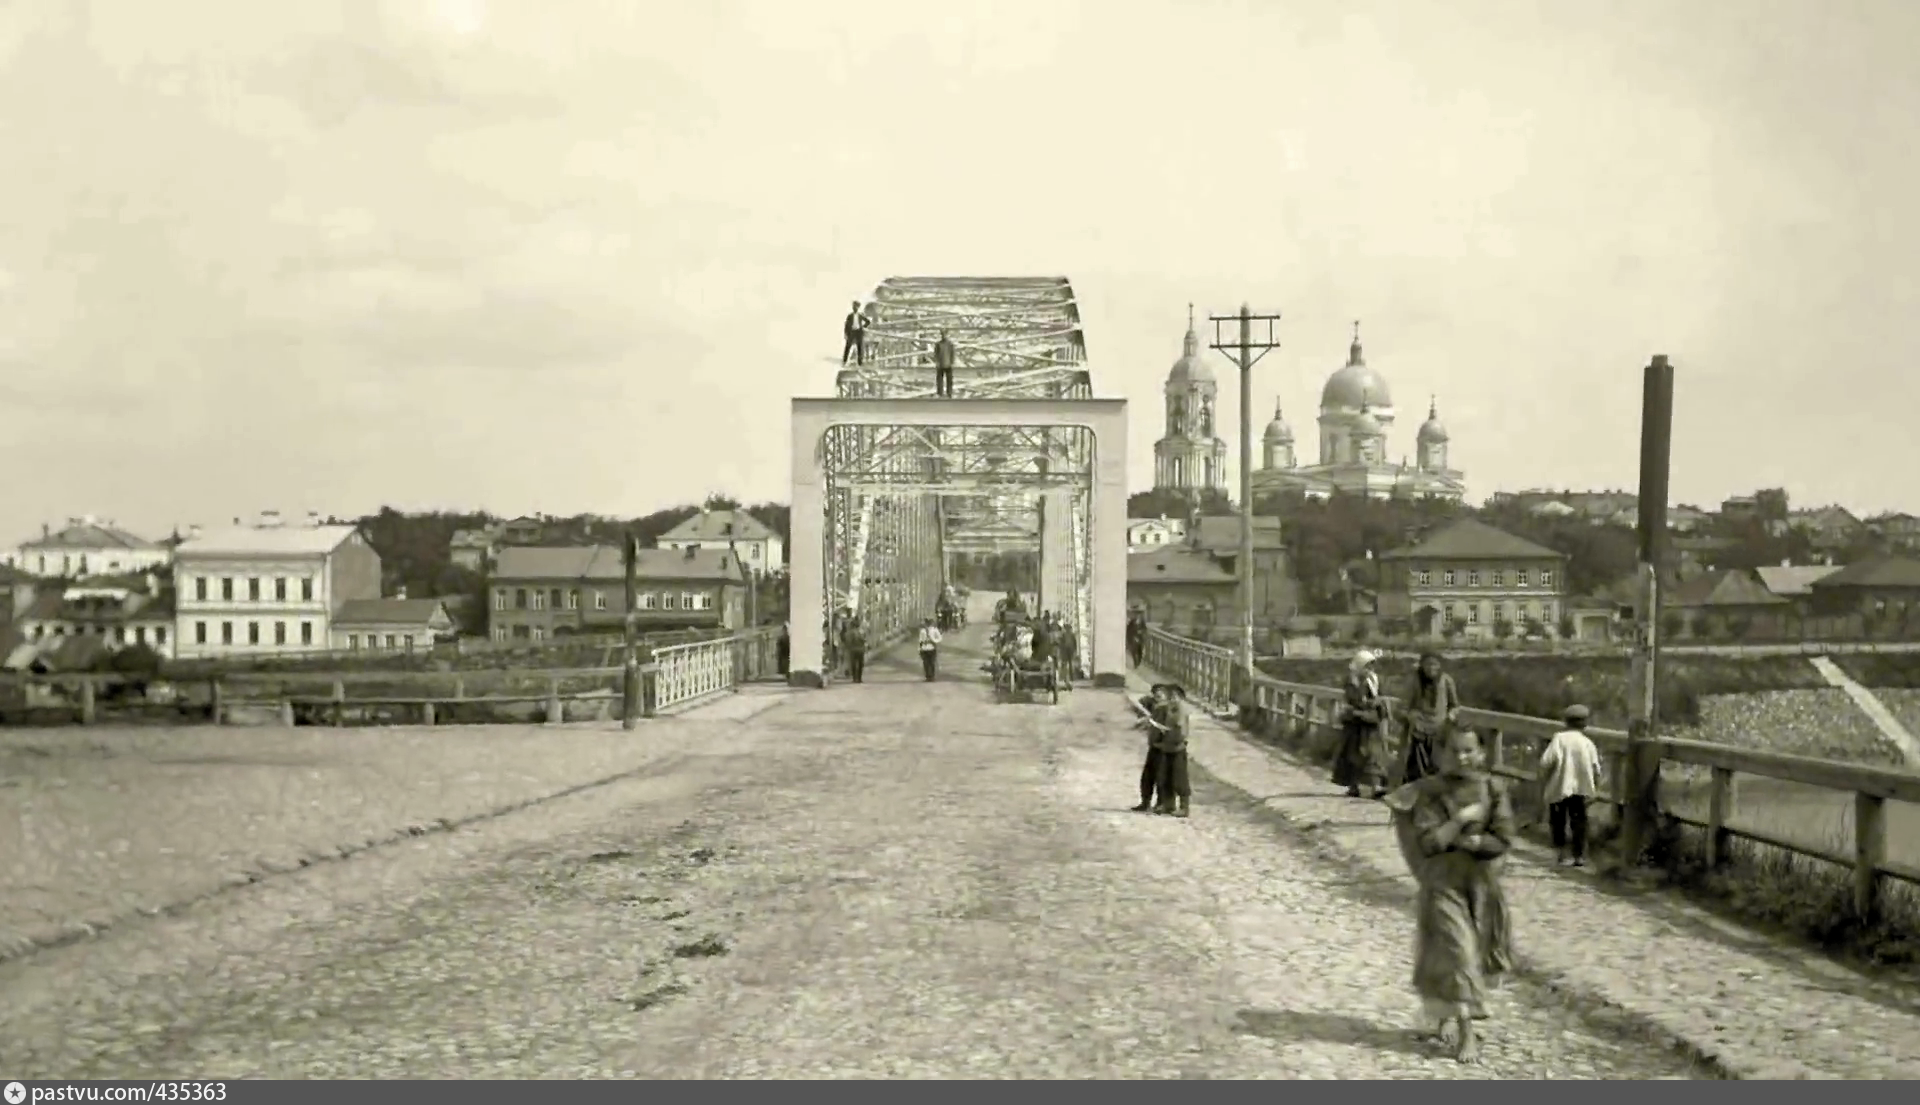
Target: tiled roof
1795 580
90 535
547 562
1888 571
388 611
711 525
1176 565
1469 539
1729 588
293 540
1223 533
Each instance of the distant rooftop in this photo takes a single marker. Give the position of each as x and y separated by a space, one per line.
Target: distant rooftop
283 540
712 525
604 562
89 533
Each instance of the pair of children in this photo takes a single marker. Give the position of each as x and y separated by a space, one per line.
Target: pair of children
1164 717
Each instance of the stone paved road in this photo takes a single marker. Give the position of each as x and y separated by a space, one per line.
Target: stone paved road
884 880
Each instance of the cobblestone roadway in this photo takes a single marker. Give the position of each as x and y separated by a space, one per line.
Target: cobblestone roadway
882 880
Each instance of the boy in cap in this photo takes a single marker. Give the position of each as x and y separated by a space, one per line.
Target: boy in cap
1170 737
1569 775
1149 707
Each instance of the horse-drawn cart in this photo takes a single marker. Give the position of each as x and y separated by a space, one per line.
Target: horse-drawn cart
1014 681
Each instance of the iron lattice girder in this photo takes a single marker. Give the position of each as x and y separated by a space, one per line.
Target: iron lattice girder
1013 338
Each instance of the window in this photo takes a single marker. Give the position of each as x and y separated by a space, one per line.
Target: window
353 641
1546 577
40 564
1473 578
539 600
120 633
306 633
280 588
649 600
306 589
392 642
699 602
521 632
539 634
66 565
200 588
599 600
1450 614
1499 578
199 633
226 632
253 633
159 634
499 632
1520 577
1473 613
1446 578
1549 612
556 600
499 598
253 589
669 602
519 598
573 599
753 551
139 634
407 642
1423 578
226 588
279 633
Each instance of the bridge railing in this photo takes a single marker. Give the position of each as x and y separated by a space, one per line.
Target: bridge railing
679 674
1514 742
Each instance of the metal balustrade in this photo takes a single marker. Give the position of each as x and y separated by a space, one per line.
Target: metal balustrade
685 673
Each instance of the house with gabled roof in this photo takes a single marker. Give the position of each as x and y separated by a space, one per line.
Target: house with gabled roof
397 624
1886 586
1733 600
758 547
1469 577
1194 585
86 546
269 586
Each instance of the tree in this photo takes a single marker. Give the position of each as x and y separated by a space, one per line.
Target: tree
1739 625
1534 627
1567 627
1673 623
1166 502
1502 629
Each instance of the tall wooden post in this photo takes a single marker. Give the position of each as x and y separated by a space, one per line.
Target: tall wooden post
630 669
1642 791
1245 351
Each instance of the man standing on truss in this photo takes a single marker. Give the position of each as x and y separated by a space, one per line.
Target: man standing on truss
854 329
943 367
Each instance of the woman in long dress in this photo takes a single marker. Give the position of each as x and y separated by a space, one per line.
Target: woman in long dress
1454 828
1362 757
1434 706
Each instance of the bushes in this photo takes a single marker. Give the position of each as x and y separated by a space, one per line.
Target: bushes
1542 686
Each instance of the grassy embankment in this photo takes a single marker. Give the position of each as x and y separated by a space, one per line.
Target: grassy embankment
1776 703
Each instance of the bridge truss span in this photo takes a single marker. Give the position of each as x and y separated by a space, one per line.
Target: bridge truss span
1020 455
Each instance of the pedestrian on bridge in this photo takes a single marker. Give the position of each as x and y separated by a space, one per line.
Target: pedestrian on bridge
1170 736
943 366
1069 649
854 329
1569 776
1136 636
1362 758
1148 707
1454 828
929 649
855 646
1435 706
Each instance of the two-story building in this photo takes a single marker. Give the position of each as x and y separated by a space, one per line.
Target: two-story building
120 610
86 546
1473 576
268 587
542 592
1193 586
759 548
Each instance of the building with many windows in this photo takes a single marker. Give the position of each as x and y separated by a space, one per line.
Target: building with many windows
543 592
760 549
86 546
120 611
268 587
1472 576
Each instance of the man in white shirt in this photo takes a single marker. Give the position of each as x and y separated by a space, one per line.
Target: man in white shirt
929 648
1569 775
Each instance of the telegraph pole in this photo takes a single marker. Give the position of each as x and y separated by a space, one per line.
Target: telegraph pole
1244 352
1643 675
630 666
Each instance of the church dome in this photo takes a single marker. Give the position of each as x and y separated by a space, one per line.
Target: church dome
1432 431
1191 368
1355 385
1278 432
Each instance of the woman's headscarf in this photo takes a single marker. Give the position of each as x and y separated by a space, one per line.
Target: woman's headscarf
1362 660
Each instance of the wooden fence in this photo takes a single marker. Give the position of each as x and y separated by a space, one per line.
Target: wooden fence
673 676
1514 743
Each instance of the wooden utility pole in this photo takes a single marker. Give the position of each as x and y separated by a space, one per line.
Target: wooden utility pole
1244 352
630 675
1642 789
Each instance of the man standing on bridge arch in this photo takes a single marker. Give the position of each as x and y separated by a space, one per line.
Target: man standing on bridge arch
943 366
854 329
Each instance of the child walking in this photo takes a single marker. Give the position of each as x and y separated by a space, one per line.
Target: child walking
1569 775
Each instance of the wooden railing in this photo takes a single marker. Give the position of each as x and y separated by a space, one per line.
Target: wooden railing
674 676
1514 743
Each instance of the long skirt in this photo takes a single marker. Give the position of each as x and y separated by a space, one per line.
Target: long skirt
1420 758
1362 757
1463 942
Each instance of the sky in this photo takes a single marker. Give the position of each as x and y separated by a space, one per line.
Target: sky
576 255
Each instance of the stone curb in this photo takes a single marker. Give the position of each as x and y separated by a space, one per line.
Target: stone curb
1552 977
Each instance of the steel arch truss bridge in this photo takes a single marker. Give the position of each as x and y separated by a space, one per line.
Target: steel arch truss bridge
897 479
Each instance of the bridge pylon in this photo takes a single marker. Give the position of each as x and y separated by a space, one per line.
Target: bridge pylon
890 478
